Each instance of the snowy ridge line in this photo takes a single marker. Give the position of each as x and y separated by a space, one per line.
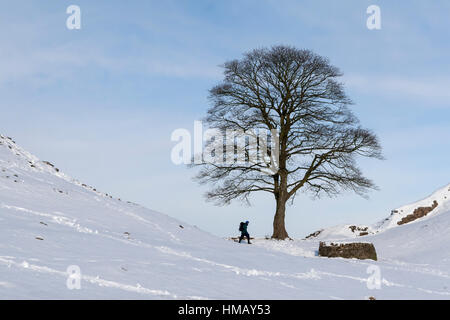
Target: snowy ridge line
441 196
30 161
94 280
349 231
27 163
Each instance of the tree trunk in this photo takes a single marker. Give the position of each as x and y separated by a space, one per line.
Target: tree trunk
281 186
279 228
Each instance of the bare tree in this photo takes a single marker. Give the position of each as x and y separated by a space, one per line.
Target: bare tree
297 93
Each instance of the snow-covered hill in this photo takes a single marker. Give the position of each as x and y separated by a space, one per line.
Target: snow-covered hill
420 211
49 222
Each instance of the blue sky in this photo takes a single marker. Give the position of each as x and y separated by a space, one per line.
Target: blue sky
101 102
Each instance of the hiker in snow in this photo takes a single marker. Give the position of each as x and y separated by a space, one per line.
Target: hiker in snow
244 233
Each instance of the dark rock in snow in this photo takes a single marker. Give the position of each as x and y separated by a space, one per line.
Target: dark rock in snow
418 213
314 234
348 250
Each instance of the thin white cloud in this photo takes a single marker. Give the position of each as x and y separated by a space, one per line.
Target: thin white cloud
426 88
46 65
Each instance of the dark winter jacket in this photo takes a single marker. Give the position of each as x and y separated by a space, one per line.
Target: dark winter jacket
244 228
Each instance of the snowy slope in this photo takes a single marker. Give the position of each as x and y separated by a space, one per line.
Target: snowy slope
398 217
49 222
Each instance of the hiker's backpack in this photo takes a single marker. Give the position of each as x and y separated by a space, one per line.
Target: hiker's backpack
241 226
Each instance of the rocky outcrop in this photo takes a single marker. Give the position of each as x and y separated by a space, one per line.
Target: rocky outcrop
363 231
314 234
348 250
418 213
